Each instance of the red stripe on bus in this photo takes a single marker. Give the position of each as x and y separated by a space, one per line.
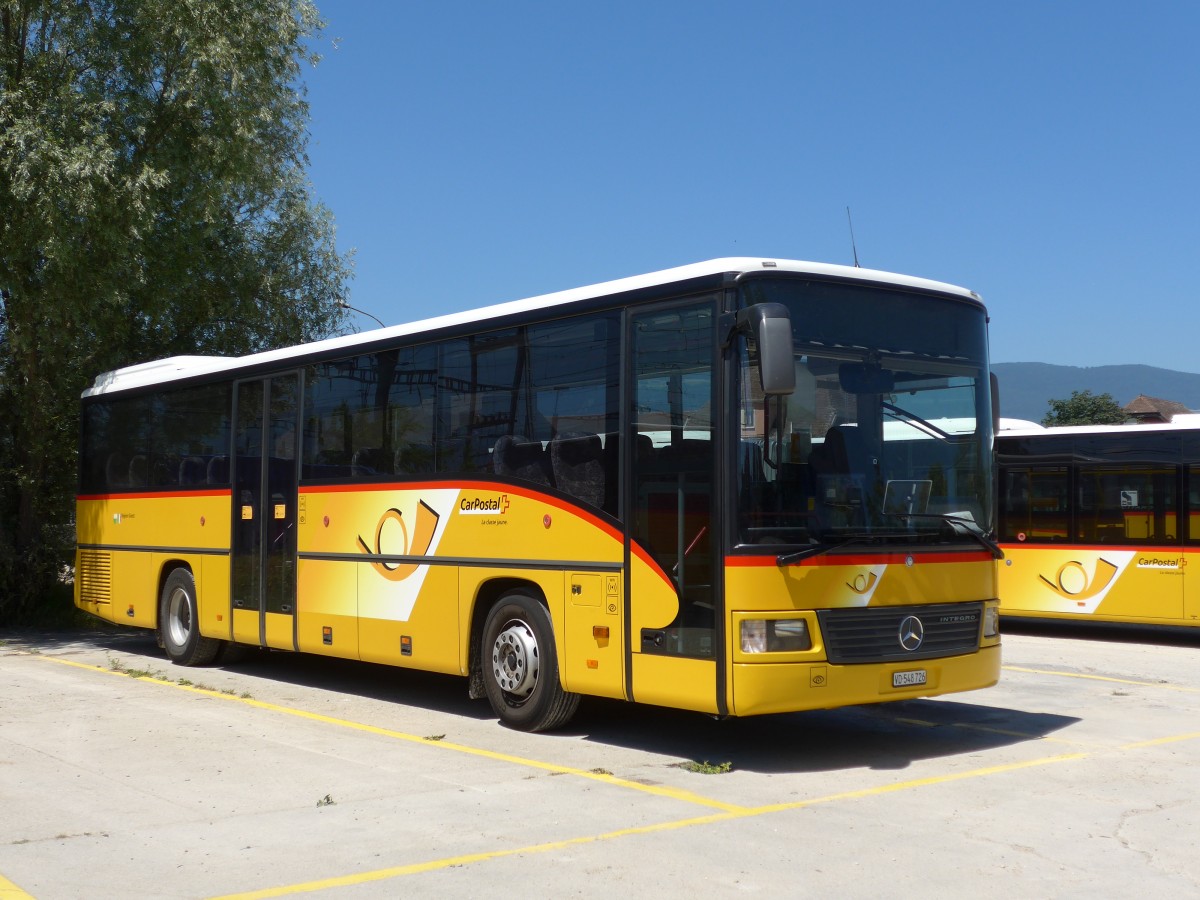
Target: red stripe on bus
1100 548
859 559
644 555
491 487
150 495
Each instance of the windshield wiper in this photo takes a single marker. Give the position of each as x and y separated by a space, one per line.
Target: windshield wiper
921 424
786 559
960 525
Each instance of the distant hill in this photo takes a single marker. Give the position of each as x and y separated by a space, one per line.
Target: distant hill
1026 389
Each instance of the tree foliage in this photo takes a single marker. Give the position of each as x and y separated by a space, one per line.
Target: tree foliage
153 202
1085 408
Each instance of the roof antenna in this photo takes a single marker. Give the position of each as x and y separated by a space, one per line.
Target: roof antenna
852 244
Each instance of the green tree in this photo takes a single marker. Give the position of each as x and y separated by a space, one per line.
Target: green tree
153 202
1085 408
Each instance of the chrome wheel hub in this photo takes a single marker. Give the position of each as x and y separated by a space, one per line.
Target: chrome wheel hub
515 660
179 618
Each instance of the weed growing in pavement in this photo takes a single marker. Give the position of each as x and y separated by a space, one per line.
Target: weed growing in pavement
117 665
706 768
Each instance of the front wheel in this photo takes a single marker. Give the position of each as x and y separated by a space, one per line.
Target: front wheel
520 667
179 624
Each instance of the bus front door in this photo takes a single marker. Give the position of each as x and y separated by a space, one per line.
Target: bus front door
675 619
263 543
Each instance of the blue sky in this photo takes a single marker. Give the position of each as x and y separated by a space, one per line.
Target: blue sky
1043 154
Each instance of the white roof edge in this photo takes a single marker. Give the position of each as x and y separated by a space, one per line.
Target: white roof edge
1132 427
176 367
160 370
1007 425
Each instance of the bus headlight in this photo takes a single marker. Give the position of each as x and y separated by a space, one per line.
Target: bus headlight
754 636
991 621
775 635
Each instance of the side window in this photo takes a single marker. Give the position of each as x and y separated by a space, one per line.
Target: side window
336 394
174 439
190 429
412 406
575 369
1192 508
371 416
453 405
537 404
1033 505
1127 505
116 441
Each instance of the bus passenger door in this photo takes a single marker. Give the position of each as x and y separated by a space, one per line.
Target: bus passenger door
675 617
264 511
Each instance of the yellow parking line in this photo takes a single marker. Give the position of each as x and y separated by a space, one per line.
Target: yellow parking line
9 891
727 811
1158 742
879 790
433 865
655 789
1155 684
744 813
448 862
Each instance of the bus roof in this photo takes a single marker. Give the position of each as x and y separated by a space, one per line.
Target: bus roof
179 368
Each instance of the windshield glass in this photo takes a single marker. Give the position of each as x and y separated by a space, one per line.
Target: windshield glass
887 436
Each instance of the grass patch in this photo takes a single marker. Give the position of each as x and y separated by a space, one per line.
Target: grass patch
117 665
705 767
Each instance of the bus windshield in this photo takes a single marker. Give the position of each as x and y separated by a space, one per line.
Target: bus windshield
886 439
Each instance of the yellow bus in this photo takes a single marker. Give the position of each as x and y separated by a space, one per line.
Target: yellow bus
1100 523
674 489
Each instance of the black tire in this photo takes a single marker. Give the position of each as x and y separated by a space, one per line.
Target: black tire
520 666
179 623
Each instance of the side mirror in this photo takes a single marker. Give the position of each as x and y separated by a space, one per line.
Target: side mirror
772 328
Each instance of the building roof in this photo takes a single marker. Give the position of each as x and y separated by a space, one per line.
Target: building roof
1143 408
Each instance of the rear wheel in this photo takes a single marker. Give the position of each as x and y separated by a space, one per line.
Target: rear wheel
520 666
179 623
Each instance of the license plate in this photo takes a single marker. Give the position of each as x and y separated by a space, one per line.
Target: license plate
908 679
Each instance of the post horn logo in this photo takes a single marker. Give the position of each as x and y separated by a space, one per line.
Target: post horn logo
863 583
1072 579
422 537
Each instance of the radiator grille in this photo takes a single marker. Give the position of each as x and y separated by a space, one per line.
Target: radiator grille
873 634
95 576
